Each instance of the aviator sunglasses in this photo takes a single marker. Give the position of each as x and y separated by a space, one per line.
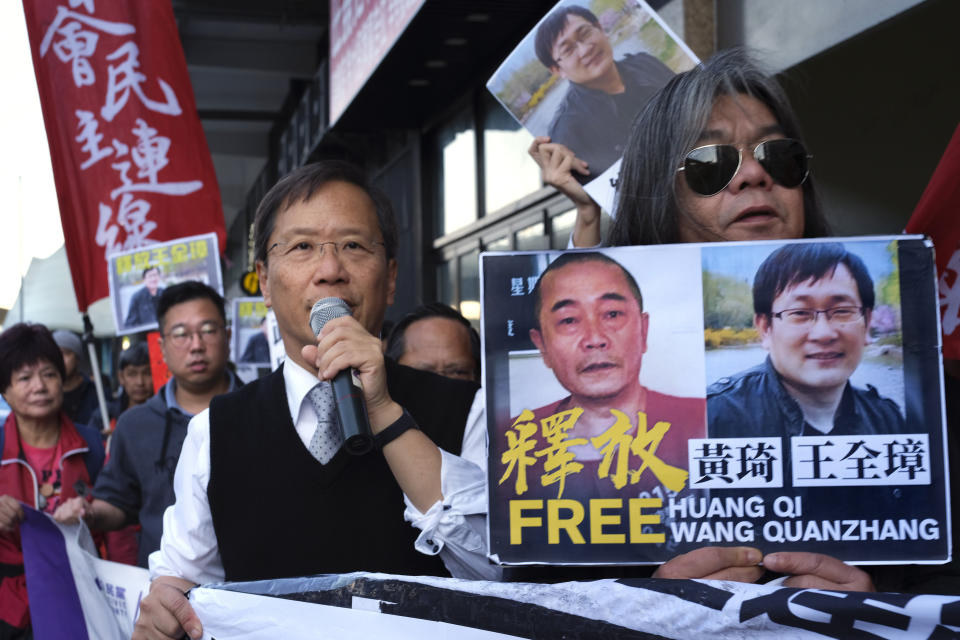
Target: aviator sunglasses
709 169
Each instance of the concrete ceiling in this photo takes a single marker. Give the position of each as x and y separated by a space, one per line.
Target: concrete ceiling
248 61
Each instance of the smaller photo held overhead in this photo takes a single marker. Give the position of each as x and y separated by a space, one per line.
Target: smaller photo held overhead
582 74
138 277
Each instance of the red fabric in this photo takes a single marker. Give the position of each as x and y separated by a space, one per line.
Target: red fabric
14 608
122 545
938 216
129 155
158 366
17 481
43 461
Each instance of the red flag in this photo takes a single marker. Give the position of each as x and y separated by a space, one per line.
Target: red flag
130 160
938 216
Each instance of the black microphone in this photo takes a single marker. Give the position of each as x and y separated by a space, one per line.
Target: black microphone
347 391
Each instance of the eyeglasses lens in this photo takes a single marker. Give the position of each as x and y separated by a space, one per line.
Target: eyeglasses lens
709 169
785 160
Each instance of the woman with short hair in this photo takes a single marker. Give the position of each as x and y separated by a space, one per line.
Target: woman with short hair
44 457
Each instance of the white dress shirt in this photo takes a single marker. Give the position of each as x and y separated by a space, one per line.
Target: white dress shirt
454 527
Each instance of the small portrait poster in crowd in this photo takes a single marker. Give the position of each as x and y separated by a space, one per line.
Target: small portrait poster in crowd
138 277
582 74
646 401
250 344
277 352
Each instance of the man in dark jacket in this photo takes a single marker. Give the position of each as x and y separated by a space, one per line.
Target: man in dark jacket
143 305
136 385
604 95
812 305
137 482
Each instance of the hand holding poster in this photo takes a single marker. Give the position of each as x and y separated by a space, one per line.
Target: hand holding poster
773 404
582 75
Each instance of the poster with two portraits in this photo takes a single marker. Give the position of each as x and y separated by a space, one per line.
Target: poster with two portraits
646 401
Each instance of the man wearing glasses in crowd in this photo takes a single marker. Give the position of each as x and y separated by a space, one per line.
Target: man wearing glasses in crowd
137 481
812 306
322 231
594 118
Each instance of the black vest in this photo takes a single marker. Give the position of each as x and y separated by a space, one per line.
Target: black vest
277 512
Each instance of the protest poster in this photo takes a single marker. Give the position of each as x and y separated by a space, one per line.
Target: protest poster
130 159
249 343
138 277
370 605
583 73
640 406
277 352
74 594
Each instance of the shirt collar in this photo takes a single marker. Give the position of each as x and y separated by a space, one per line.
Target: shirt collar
298 382
170 391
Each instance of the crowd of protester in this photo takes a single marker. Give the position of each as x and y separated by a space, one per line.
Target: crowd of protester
180 474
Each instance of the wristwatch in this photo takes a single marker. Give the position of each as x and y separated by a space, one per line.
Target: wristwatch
395 430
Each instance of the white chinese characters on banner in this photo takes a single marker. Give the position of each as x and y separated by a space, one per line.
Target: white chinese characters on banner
76 45
950 295
73 37
124 77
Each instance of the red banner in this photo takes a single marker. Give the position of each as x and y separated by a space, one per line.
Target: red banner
130 159
937 216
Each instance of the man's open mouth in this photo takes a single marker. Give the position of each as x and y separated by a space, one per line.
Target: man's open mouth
825 355
757 214
597 366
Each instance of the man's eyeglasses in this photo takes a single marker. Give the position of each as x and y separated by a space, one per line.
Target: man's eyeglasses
181 337
805 317
301 251
709 169
584 34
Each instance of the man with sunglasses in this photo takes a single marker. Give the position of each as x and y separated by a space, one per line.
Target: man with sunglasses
727 100
604 95
812 306
136 483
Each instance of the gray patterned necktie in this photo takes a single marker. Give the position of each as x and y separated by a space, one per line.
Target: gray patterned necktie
327 438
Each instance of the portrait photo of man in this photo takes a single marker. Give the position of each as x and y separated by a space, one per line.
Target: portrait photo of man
604 94
257 349
143 304
813 304
591 329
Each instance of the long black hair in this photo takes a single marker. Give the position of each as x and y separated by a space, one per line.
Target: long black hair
647 209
